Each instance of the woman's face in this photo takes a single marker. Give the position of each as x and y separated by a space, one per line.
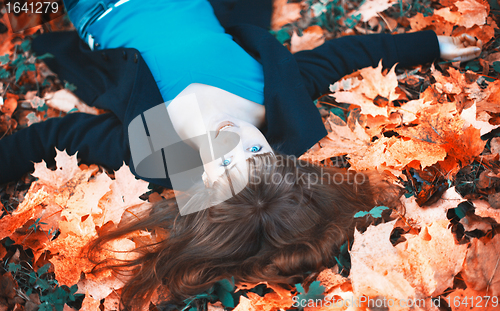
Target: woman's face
231 142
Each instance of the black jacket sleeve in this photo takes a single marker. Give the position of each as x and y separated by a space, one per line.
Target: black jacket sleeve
98 139
336 58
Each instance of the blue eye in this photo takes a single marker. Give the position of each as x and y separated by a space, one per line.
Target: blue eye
226 162
255 149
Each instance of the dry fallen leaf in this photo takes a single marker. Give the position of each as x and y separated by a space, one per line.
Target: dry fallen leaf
284 13
370 8
416 268
67 167
24 212
311 38
423 216
125 192
481 271
340 140
470 116
90 304
64 100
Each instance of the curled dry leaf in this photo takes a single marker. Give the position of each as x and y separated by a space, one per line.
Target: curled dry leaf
284 13
495 145
9 104
311 38
481 271
64 100
483 209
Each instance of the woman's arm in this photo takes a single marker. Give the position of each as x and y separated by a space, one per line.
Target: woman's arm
98 139
336 58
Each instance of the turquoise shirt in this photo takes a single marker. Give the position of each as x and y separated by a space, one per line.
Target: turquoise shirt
182 42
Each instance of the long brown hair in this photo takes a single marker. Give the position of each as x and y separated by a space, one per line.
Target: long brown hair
290 219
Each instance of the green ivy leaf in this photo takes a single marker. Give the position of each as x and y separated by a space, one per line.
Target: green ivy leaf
376 212
20 70
282 35
69 86
496 66
26 45
4 59
315 292
43 284
473 65
4 74
13 267
19 60
45 306
228 285
225 297
44 56
318 8
42 270
352 20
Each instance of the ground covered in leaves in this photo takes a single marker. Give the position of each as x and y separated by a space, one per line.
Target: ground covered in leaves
434 128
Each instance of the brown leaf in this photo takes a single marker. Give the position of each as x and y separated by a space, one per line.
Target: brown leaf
68 260
90 304
481 271
284 13
370 8
24 212
112 302
10 104
311 38
470 116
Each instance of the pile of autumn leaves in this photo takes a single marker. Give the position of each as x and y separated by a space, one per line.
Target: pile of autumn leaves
439 129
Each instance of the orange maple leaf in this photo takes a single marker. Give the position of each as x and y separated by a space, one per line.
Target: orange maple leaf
24 212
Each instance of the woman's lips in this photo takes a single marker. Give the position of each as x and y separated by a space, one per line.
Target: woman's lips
224 125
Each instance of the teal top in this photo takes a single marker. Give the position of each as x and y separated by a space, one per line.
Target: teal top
182 42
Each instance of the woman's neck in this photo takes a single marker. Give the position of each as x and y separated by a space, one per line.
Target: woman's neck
199 108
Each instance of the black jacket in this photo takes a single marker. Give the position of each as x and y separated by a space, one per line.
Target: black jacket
119 80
